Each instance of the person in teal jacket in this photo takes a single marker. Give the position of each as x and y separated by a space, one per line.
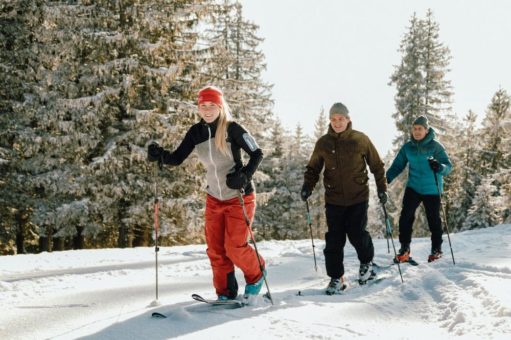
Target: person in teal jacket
427 164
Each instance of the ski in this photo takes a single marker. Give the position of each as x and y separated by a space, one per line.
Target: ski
379 267
225 303
158 315
355 284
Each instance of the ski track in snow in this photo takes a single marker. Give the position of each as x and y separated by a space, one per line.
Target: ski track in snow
79 294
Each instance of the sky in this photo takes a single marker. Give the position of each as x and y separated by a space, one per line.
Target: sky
110 294
323 51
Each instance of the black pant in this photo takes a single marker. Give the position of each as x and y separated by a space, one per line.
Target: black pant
342 221
411 201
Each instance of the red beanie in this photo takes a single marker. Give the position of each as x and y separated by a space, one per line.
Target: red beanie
210 94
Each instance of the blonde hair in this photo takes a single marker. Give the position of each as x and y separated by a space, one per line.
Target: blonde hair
221 129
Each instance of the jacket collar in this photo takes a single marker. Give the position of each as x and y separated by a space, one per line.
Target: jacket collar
211 125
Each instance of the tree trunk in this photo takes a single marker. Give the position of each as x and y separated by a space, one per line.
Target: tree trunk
141 236
59 243
123 234
78 240
121 241
21 220
45 241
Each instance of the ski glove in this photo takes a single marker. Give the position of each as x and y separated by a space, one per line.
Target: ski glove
305 193
434 164
383 197
237 180
154 152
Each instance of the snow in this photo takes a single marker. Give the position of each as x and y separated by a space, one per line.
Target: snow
107 294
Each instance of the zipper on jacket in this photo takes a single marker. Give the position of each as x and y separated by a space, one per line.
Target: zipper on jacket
214 165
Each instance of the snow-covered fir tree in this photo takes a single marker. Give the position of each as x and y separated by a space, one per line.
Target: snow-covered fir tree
317 199
235 64
271 202
108 78
435 66
463 180
495 159
19 19
283 215
420 79
494 132
485 208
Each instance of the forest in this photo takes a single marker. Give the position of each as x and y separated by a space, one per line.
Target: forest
86 85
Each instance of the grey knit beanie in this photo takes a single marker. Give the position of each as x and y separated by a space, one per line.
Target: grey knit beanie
421 120
339 109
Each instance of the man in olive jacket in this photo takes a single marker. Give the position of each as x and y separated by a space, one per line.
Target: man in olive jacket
344 154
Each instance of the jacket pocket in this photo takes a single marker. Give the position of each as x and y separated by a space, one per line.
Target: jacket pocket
329 184
361 180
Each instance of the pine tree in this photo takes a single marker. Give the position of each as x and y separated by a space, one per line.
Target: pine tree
18 21
235 64
495 156
495 131
484 210
317 199
282 215
462 182
435 64
420 79
409 81
277 140
108 77
504 179
269 184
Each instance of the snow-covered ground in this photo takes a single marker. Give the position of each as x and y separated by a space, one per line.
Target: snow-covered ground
106 294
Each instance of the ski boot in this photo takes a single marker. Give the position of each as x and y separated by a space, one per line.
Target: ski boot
223 298
403 255
435 254
255 288
336 286
366 273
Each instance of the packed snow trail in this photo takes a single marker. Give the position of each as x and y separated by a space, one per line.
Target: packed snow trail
105 294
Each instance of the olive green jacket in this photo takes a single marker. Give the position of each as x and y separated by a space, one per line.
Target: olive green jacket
344 157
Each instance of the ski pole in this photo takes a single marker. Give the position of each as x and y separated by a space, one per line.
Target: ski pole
156 225
388 244
445 216
388 231
309 221
247 221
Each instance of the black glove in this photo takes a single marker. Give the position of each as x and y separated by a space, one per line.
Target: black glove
154 152
237 180
434 164
383 197
305 193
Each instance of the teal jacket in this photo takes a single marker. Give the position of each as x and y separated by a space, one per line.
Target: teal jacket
420 176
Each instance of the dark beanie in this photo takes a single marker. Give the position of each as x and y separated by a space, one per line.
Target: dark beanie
339 109
421 120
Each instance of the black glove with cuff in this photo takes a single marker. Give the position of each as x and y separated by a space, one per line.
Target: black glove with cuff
237 180
305 193
383 197
434 164
154 152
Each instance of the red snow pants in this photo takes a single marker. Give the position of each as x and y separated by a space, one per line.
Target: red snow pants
227 240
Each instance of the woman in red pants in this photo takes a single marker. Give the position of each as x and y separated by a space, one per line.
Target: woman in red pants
219 142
